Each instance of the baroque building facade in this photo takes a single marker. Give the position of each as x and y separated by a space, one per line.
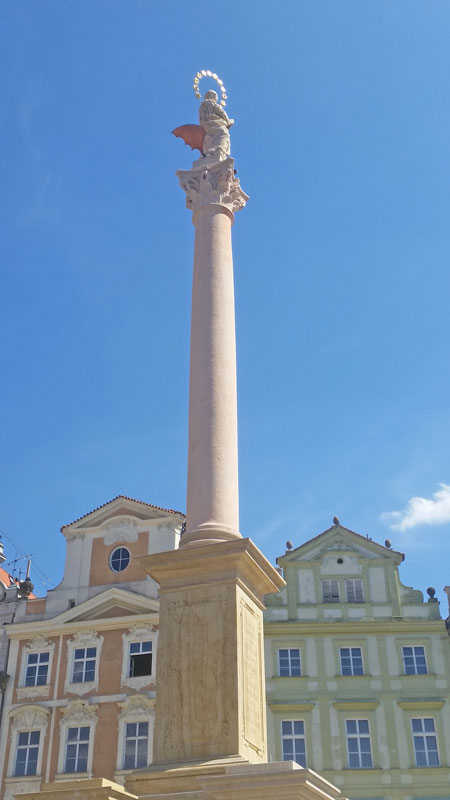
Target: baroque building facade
357 665
358 671
79 701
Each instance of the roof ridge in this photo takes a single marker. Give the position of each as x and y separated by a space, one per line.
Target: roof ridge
121 497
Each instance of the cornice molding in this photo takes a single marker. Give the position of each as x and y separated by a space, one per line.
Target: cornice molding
289 708
19 631
355 705
364 626
418 705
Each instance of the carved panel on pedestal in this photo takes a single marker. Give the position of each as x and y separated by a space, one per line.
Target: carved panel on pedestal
252 673
195 686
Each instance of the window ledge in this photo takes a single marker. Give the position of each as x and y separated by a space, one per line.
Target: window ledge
33 691
363 769
356 676
14 779
139 682
71 776
83 687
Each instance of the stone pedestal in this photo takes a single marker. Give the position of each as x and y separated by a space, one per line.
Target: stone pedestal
210 693
281 780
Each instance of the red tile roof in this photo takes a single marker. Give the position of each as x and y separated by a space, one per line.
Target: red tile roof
123 497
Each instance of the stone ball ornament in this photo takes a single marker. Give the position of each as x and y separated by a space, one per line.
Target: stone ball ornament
206 73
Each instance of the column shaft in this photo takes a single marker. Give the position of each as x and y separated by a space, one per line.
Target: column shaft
212 487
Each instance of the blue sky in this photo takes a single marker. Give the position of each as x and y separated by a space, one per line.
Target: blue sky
341 264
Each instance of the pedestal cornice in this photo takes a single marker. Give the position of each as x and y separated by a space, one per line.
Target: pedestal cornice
237 560
213 183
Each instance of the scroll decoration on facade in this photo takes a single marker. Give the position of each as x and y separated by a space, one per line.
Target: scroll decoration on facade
29 717
79 712
122 529
136 707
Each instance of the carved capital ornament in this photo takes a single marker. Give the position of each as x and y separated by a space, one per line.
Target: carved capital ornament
213 184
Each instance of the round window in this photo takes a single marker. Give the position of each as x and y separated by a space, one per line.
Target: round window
119 559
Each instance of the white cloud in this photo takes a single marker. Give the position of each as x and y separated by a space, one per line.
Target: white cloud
421 511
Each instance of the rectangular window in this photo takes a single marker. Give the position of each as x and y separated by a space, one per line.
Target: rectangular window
414 662
358 743
27 753
351 661
136 745
84 664
77 749
289 662
140 659
37 669
293 741
425 742
354 591
330 592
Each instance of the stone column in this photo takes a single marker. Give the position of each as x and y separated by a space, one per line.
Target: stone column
213 194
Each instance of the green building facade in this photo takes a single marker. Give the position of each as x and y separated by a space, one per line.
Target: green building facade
357 671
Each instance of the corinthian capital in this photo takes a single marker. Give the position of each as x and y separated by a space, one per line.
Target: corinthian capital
212 184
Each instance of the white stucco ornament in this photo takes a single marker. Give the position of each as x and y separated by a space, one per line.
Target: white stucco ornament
121 529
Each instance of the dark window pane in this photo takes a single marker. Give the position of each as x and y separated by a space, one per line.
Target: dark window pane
140 665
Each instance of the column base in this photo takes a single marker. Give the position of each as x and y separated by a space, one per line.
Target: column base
209 533
231 779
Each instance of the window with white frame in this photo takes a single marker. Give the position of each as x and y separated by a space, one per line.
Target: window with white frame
289 663
358 743
84 661
77 749
37 669
414 662
140 659
351 661
27 734
139 656
293 744
27 753
136 745
330 591
135 741
425 742
354 591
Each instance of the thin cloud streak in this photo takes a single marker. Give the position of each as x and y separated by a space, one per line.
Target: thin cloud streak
421 511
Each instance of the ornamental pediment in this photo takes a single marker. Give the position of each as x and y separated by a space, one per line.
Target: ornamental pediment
122 512
339 540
